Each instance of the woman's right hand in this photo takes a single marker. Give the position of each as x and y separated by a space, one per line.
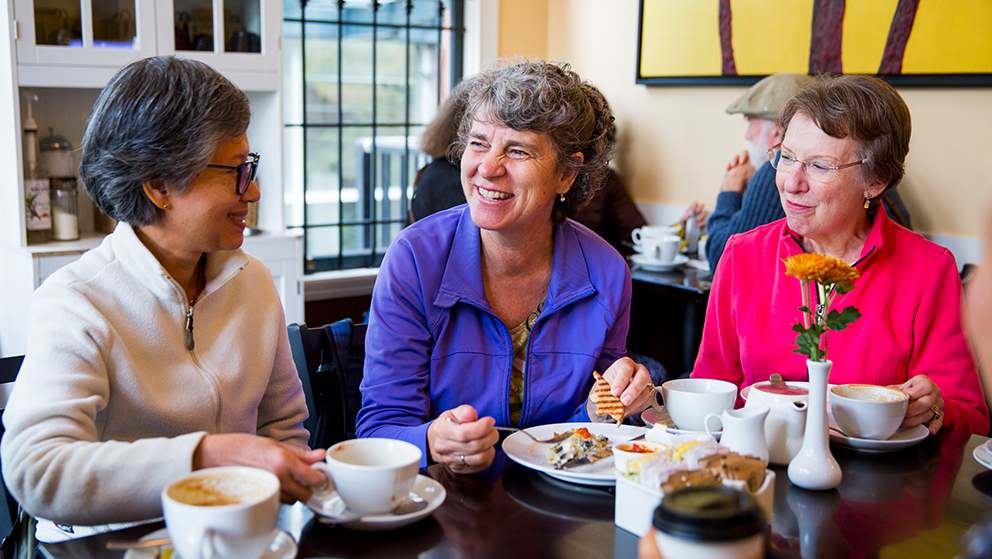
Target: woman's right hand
462 441
290 464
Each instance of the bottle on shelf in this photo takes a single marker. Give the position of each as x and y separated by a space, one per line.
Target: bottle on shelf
58 164
37 198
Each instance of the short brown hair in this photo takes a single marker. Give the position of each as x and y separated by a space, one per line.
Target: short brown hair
547 98
865 108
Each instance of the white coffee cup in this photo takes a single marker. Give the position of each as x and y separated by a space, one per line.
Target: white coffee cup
668 247
867 411
640 234
372 476
222 513
688 400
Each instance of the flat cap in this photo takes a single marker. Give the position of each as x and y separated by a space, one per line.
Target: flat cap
765 98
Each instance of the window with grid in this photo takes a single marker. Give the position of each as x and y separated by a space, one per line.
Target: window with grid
361 79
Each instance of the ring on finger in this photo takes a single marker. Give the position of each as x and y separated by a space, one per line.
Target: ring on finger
936 412
462 458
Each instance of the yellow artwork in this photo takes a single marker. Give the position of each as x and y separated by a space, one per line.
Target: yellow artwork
910 42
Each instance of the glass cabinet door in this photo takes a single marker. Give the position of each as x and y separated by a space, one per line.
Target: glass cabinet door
227 34
90 32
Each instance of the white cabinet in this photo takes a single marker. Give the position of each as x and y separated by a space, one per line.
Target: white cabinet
65 51
88 40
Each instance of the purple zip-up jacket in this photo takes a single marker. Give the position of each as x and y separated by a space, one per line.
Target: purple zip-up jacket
434 343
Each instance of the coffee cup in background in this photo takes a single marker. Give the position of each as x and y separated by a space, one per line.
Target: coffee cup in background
222 513
668 247
867 411
652 232
372 476
689 400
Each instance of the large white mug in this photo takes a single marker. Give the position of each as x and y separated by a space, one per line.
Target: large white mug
743 430
867 411
222 513
688 400
373 475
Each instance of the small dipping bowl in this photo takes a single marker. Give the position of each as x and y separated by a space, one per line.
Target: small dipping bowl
624 453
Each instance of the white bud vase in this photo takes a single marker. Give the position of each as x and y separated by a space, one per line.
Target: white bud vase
814 467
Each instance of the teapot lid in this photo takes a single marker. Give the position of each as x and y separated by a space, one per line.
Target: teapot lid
784 389
53 142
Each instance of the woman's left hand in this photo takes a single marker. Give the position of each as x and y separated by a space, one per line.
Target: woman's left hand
631 382
926 405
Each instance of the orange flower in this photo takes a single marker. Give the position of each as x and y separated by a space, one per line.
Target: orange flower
824 270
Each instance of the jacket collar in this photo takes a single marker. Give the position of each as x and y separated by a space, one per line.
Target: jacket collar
221 266
462 278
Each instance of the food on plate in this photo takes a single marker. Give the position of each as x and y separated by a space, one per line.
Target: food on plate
606 402
734 467
690 478
581 444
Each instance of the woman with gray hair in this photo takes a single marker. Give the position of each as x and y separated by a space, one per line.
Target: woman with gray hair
118 394
498 312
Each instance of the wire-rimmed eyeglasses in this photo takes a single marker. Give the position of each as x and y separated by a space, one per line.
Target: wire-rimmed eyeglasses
817 169
246 172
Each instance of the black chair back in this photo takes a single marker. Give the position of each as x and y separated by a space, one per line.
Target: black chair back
331 381
9 367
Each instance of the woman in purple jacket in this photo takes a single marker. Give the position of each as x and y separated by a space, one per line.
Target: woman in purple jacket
498 312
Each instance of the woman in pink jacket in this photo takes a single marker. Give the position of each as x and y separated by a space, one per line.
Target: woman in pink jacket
845 142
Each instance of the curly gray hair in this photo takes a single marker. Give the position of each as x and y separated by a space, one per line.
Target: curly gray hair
546 98
159 119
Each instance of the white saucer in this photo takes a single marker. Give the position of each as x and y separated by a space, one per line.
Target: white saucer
653 265
425 488
652 417
283 547
983 454
901 439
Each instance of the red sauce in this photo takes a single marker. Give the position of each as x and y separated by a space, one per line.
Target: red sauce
640 449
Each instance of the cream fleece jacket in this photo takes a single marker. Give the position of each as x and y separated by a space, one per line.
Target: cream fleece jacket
109 404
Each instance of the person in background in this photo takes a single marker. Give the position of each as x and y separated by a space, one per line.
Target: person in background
438 185
748 197
118 394
845 141
499 311
610 213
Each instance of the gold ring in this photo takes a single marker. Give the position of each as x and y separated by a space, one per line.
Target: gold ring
936 412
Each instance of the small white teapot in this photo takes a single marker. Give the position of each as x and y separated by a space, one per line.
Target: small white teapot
786 421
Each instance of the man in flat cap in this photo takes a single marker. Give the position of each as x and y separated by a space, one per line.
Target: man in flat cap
748 197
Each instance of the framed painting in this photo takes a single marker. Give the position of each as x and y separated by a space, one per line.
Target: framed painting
737 42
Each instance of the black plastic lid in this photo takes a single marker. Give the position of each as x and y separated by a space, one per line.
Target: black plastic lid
709 514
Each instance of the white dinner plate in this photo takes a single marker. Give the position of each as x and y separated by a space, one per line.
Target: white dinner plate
524 451
425 488
653 417
653 265
983 454
283 547
903 438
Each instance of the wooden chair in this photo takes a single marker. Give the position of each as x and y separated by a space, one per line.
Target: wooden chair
331 381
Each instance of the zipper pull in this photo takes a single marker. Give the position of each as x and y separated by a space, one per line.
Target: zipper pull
189 329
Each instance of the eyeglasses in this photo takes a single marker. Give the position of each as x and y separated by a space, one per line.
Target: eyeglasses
817 169
246 172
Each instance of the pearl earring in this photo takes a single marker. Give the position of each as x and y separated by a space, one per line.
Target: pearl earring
563 197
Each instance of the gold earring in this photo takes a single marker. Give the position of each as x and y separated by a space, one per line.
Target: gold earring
867 202
562 196
165 206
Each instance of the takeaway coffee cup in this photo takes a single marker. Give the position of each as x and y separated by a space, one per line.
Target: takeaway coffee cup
867 411
372 476
709 523
222 513
689 400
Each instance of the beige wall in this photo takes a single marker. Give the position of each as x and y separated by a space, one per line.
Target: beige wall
675 141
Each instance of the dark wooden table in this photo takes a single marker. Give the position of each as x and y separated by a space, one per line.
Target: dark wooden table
666 316
912 503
